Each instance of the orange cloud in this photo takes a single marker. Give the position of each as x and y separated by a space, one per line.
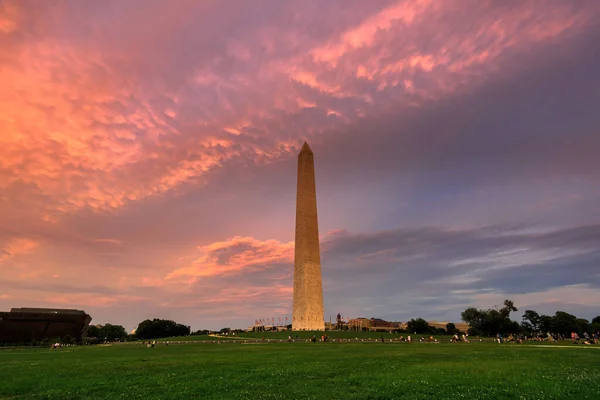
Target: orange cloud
9 15
236 254
367 32
96 122
83 300
17 246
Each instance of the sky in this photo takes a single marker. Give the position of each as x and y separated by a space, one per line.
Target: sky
148 155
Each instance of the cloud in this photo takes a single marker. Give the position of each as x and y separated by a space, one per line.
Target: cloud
236 254
17 246
108 124
411 268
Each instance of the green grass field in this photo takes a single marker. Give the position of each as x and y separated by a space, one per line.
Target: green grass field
301 335
302 370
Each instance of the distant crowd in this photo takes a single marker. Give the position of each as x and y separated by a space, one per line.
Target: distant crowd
594 338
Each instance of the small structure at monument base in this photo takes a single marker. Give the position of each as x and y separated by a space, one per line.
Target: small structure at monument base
24 325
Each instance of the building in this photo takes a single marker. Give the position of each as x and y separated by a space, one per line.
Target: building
461 326
359 323
29 324
378 324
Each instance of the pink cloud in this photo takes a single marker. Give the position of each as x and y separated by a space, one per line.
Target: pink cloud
17 246
235 255
102 137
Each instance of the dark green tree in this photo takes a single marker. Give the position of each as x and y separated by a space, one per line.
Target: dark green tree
112 333
474 317
418 325
563 323
160 328
582 325
531 321
492 321
545 323
509 306
93 332
451 328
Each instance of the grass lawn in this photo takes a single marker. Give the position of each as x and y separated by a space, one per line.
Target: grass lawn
301 335
302 370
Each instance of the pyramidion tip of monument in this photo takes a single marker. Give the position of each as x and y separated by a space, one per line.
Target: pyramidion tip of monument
305 148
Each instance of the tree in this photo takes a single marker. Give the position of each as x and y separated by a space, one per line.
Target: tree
582 325
112 332
474 331
545 323
492 321
563 323
451 328
509 307
596 320
160 328
418 325
531 321
93 332
474 317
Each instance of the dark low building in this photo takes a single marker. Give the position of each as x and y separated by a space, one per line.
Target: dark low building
28 324
381 324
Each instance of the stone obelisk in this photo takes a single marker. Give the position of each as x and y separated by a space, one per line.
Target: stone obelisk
307 313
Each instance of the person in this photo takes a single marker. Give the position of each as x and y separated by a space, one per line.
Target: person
289 338
499 337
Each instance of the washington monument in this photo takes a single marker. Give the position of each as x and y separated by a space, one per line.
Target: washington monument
307 310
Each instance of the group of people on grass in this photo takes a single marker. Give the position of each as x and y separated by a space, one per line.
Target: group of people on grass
587 339
511 338
552 338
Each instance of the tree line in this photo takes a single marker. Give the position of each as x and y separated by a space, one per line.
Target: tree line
493 321
148 329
